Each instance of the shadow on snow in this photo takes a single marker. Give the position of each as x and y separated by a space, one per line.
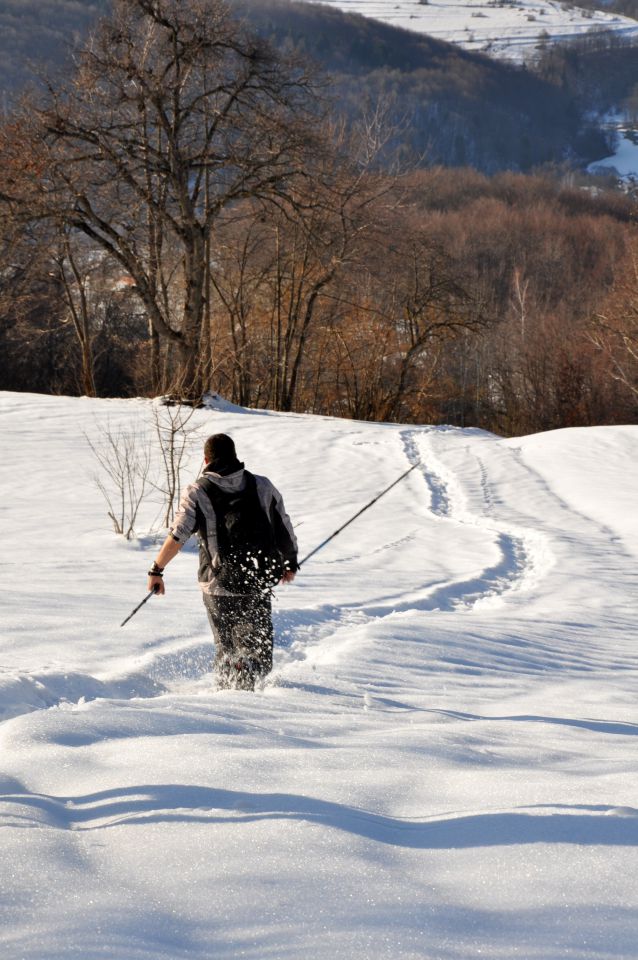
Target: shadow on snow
164 803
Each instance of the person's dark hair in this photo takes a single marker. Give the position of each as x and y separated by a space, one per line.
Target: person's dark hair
220 447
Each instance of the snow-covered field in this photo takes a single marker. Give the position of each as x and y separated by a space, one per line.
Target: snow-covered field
624 159
443 764
509 29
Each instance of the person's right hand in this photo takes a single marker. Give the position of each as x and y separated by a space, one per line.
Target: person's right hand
156 584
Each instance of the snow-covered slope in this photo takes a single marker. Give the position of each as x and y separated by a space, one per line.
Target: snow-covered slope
442 764
511 30
624 159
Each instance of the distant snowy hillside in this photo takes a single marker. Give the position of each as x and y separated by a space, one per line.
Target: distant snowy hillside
501 28
442 765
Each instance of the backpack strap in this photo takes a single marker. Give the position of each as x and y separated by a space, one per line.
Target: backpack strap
200 519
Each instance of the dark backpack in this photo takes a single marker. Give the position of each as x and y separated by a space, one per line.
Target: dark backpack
249 560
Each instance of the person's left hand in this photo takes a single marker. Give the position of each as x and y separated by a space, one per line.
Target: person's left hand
288 577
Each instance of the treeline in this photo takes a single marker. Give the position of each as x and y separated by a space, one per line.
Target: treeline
478 302
508 303
452 107
184 215
550 261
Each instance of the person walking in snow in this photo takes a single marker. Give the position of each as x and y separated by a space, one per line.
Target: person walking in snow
246 546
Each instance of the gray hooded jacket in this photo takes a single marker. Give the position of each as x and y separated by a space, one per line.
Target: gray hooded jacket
195 505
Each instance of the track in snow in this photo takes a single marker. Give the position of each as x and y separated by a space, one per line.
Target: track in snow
524 558
512 571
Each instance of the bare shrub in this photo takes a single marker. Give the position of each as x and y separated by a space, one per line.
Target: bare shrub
124 457
175 436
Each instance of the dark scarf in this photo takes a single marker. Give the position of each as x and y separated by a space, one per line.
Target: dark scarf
224 467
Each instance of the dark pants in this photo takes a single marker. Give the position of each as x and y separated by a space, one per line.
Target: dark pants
242 629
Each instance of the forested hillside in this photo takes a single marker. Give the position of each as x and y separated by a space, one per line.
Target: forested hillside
597 73
505 302
39 33
453 107
449 106
279 260
628 8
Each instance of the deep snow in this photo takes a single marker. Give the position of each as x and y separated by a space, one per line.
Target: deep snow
442 764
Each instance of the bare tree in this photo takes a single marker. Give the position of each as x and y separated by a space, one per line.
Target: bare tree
433 306
124 457
175 434
74 278
176 113
614 331
36 351
345 203
241 283
519 299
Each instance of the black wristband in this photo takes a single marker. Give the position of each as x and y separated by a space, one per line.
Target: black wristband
156 571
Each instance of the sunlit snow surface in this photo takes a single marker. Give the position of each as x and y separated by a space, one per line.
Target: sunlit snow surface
624 160
443 764
503 29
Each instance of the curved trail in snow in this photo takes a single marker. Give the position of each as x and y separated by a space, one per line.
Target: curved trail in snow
464 496
523 558
478 484
516 568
